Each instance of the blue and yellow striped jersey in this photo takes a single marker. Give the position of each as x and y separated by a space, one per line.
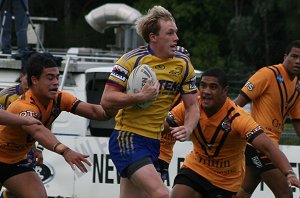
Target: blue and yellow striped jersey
9 95
175 75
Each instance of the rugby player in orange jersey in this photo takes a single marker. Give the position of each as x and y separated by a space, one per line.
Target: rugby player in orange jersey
215 167
44 102
274 92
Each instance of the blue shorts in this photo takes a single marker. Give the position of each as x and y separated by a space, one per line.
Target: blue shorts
125 148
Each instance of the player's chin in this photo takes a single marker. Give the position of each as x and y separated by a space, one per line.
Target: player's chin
52 94
171 53
206 104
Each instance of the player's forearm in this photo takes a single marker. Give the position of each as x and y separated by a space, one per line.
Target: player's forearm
264 144
8 118
192 117
43 135
120 100
279 160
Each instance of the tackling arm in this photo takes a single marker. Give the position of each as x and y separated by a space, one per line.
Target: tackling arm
8 118
263 143
46 138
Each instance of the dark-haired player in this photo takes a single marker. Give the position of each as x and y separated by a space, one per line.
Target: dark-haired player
274 92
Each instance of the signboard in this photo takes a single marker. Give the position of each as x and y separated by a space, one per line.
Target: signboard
102 179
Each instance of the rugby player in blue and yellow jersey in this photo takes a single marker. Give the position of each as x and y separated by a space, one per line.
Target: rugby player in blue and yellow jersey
134 144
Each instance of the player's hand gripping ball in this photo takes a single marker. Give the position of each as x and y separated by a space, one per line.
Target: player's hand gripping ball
137 80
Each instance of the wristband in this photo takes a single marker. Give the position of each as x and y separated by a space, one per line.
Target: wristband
67 149
55 146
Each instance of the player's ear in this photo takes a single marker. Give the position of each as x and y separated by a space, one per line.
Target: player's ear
34 79
226 90
152 37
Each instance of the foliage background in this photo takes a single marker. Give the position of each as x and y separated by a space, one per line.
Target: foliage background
239 36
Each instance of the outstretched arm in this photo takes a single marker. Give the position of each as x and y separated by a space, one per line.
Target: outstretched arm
94 112
263 143
7 118
46 138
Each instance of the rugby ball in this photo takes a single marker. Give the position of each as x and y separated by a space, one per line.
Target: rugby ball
137 79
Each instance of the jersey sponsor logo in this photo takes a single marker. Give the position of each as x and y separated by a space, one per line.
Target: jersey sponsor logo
210 162
249 86
169 85
248 135
28 113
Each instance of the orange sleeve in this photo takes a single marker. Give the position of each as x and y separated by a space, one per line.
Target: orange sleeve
67 101
257 83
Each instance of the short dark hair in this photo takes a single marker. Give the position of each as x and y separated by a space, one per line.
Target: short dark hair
36 63
295 44
217 73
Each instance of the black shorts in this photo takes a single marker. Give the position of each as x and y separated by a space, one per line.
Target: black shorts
190 178
9 170
258 161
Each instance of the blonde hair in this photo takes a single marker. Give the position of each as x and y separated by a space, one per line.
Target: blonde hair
149 23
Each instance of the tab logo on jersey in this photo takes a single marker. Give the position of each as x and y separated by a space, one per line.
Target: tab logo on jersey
28 113
119 72
249 86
